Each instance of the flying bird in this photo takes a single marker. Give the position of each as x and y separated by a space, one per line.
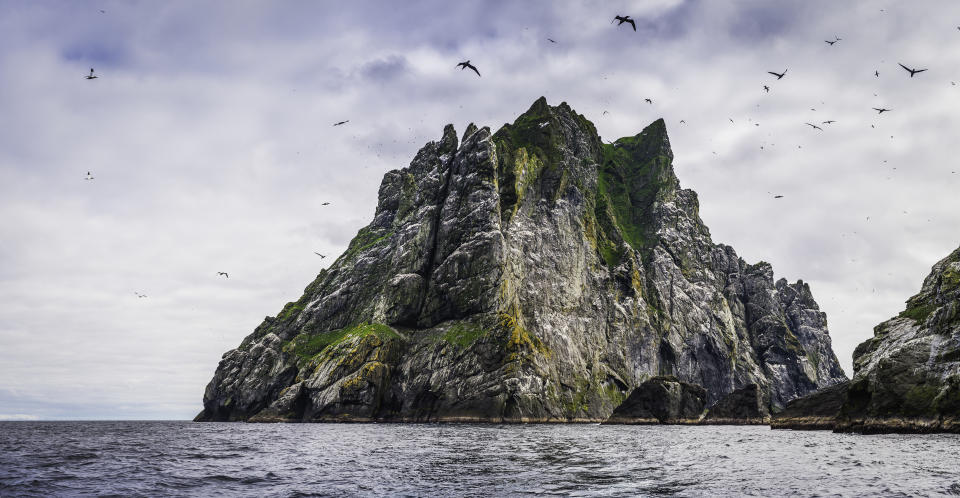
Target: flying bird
318 254
765 87
778 197
139 295
551 40
325 204
912 71
877 73
88 177
338 123
465 64
624 19
829 121
223 273
778 75
545 123
91 76
881 111
815 127
683 122
830 42
648 101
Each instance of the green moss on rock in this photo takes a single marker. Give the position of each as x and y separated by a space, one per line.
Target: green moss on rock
309 345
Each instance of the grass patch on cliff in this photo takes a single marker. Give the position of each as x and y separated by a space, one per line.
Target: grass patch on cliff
310 345
365 239
463 335
633 175
918 312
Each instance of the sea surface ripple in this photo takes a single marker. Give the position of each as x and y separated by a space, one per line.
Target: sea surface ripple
221 459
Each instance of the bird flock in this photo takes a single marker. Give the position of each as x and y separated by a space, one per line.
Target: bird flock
620 20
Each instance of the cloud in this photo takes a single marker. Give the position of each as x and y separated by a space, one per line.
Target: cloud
210 136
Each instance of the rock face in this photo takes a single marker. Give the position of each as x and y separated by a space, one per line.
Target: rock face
907 377
661 400
744 406
532 274
815 411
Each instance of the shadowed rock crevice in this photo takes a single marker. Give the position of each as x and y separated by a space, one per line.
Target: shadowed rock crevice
531 274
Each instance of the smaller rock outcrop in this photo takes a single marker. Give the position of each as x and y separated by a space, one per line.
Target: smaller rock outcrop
745 406
907 377
815 411
661 400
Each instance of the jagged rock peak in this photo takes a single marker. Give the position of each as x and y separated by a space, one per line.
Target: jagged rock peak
531 274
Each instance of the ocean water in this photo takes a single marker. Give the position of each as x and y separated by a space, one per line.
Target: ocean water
218 459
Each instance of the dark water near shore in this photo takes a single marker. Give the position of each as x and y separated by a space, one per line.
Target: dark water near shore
184 458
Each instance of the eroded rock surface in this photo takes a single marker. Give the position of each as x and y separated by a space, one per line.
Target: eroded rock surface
532 274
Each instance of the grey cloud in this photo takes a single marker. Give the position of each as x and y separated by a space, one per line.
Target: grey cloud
210 137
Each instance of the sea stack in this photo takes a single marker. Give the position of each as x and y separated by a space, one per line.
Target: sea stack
534 274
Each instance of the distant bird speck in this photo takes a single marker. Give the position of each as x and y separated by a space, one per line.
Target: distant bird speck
815 127
223 273
778 197
466 64
625 19
545 123
876 73
881 111
318 254
91 76
830 42
767 88
551 40
778 75
89 176
829 121
324 203
648 101
339 123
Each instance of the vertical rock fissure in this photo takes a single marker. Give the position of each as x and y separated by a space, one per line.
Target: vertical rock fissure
433 242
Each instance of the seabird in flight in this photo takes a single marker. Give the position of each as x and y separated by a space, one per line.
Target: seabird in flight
624 19
912 71
778 75
466 64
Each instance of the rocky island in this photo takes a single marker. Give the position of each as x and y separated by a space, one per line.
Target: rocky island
906 378
534 274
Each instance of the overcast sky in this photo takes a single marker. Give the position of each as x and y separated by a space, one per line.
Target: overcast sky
209 136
